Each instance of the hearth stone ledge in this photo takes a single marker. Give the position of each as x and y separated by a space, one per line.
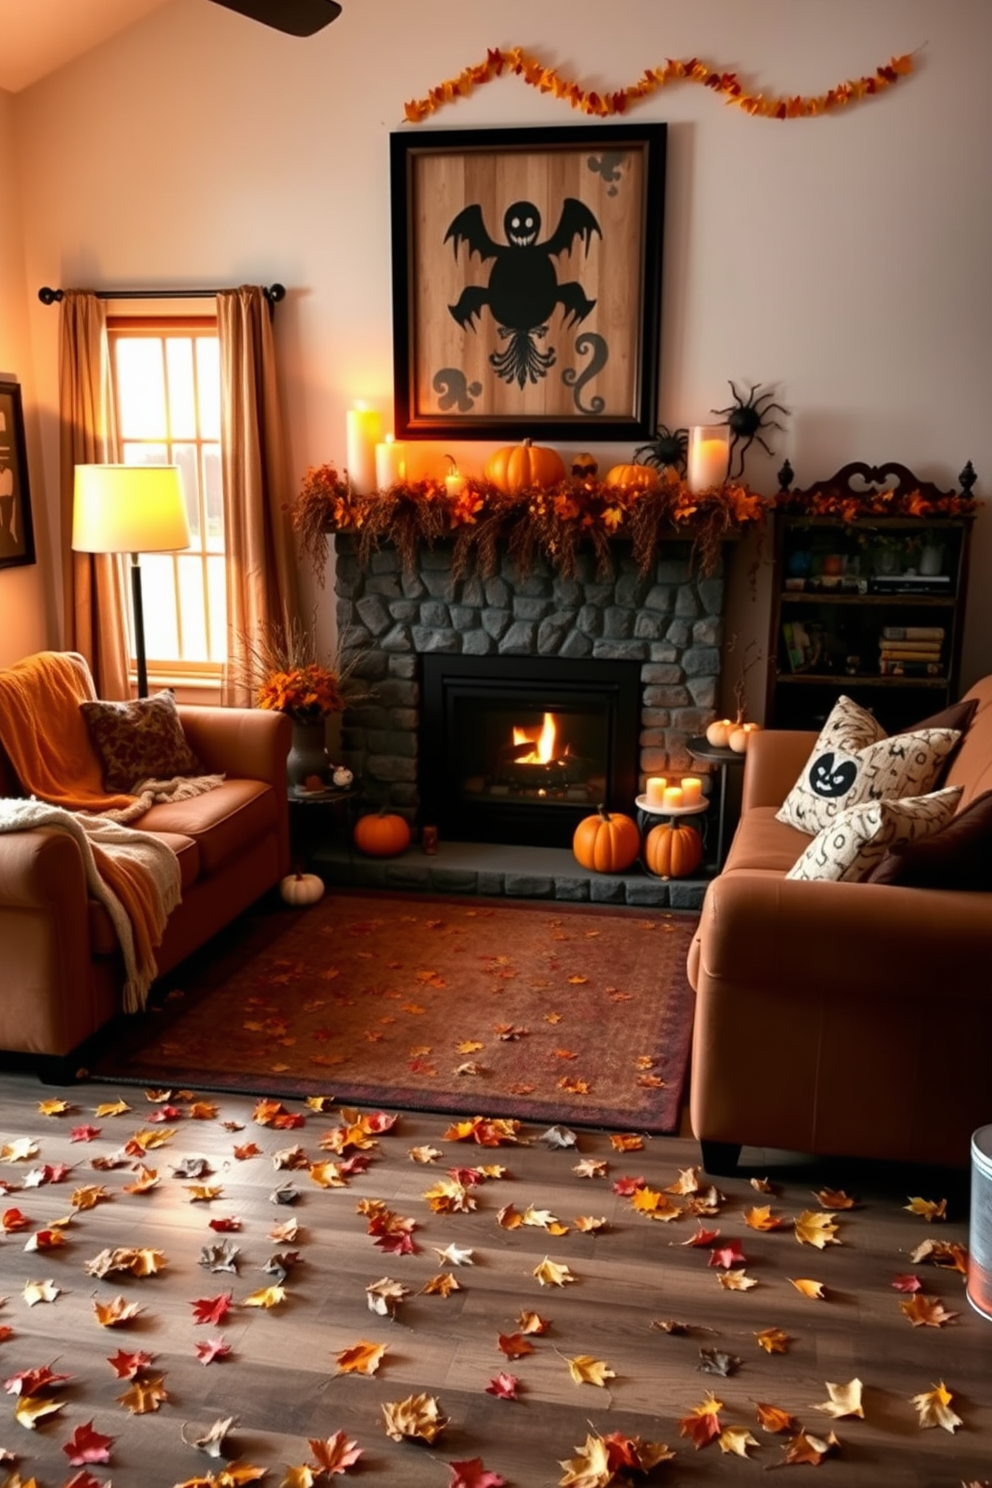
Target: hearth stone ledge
670 621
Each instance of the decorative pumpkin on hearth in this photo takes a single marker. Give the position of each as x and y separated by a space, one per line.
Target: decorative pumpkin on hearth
607 842
518 467
384 834
672 851
300 889
634 477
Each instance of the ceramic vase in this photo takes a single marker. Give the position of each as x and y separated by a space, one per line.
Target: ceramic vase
307 753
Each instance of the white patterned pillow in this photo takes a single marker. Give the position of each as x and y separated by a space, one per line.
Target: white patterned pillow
853 760
859 837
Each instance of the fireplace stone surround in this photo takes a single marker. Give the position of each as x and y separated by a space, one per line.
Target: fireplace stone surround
670 622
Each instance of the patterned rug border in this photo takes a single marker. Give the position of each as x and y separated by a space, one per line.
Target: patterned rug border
120 1060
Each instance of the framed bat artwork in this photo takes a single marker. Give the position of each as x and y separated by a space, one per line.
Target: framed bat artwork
527 281
16 531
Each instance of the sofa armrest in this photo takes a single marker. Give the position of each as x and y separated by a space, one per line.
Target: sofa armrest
772 764
244 743
44 869
793 938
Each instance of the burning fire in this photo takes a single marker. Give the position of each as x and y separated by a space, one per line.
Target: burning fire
544 739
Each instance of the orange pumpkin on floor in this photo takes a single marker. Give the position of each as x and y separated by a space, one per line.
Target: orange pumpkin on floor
672 851
606 843
382 835
517 467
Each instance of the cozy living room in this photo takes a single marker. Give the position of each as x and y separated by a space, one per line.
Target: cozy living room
495 655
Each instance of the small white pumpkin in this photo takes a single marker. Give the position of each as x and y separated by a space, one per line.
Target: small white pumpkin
718 733
301 889
740 736
342 777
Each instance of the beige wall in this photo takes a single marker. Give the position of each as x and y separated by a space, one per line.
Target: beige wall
843 260
24 591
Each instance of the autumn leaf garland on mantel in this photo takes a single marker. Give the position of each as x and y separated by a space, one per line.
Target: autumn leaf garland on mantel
547 523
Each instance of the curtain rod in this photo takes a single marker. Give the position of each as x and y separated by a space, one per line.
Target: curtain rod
273 293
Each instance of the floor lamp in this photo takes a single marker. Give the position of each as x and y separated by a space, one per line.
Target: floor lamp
130 509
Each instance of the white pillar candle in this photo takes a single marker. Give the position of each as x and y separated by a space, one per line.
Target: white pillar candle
655 792
709 453
673 796
692 790
454 483
390 463
364 426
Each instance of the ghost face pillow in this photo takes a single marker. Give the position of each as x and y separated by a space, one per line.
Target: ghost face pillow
854 760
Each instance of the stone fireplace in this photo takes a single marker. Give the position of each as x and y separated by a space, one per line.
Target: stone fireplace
664 629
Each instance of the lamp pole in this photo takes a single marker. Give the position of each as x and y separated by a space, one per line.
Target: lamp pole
137 606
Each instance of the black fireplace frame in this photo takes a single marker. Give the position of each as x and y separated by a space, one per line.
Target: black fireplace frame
551 682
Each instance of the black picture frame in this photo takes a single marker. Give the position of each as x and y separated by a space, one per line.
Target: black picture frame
16 528
585 366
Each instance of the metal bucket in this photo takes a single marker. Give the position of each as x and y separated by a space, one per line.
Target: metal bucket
980 1230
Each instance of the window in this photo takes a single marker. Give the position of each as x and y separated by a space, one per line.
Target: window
167 390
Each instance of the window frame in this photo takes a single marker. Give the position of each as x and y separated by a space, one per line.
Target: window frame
164 671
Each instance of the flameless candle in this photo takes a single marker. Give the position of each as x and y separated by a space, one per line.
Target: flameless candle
673 796
390 463
692 790
454 482
364 428
656 790
709 450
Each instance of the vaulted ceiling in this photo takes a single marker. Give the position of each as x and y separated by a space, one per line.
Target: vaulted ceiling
38 36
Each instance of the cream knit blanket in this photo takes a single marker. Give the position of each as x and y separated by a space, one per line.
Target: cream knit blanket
143 868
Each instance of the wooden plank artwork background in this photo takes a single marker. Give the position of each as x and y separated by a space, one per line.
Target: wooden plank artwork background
610 273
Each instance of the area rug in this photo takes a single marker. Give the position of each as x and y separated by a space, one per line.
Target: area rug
565 1013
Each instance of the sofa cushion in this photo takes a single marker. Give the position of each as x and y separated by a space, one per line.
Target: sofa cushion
959 856
222 822
764 844
853 761
848 849
140 740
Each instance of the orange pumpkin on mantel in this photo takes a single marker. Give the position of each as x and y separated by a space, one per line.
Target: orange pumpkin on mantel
518 467
634 477
382 835
606 843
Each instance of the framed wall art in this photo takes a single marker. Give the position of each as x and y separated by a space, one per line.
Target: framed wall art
527 281
16 531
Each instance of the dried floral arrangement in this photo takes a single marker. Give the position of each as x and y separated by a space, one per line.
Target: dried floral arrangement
283 669
910 497
550 523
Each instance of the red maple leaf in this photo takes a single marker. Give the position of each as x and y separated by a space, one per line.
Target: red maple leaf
727 1255
30 1381
514 1345
86 1445
129 1366
224 1225
627 1186
84 1133
214 1348
473 1474
503 1386
211 1309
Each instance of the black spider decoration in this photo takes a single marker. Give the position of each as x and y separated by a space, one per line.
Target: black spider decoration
745 419
523 287
667 447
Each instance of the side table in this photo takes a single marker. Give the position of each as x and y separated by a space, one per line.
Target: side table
730 770
308 814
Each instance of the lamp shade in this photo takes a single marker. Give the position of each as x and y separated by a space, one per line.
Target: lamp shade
129 509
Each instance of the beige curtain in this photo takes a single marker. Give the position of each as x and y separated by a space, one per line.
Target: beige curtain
261 567
94 605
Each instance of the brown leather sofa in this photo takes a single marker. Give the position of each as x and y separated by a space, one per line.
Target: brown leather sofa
61 971
844 1019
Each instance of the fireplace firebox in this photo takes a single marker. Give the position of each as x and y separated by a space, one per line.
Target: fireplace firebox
520 749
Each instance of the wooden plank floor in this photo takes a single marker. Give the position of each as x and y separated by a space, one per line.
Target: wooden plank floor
280 1380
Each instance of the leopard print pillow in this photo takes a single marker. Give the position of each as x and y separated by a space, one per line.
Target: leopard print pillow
140 740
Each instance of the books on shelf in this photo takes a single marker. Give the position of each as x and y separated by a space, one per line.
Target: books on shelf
900 667
912 632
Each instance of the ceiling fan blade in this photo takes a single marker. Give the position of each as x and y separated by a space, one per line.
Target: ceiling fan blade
295 17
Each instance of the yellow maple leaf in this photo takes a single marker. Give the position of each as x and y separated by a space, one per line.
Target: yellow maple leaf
361 1358
89 1196
833 1198
146 1180
54 1107
327 1174
928 1209
686 1183
760 1217
845 1400
266 1297
590 1226
203 1193
591 1468
814 1228
31 1409
417 1415
934 1408
144 1141
448 1196
736 1280
736 1439
111 1108
532 1322
146 1262
144 1396
319 1103
111 1314
552 1273
926 1312
808 1288
773 1340
585 1370
469 1046
441 1286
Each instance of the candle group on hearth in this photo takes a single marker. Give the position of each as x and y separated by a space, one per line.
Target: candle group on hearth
688 792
